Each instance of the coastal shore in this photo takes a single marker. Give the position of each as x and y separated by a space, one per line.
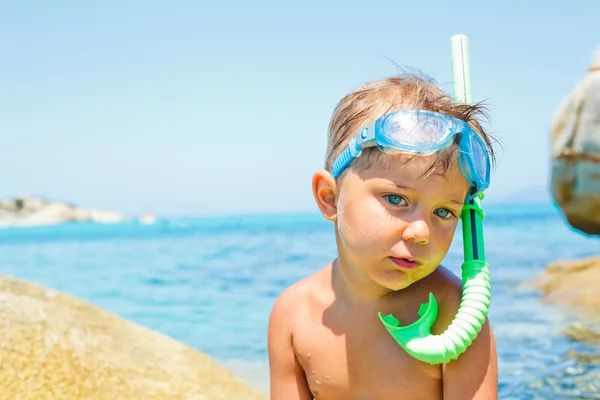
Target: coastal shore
36 211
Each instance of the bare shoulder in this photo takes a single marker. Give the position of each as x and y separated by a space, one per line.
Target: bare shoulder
447 288
288 380
296 298
284 312
445 280
448 285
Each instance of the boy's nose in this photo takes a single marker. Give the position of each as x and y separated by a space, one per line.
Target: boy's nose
418 231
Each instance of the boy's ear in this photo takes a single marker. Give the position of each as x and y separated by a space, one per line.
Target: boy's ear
325 191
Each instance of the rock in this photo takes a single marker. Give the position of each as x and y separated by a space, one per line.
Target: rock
573 283
583 333
55 346
576 153
31 211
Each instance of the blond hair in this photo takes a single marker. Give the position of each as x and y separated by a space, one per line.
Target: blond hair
377 98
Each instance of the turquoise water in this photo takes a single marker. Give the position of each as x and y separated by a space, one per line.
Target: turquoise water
210 282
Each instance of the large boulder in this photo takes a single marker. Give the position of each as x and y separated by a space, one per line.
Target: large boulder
55 346
571 282
576 153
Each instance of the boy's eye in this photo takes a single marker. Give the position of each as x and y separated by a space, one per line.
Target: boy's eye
395 199
444 213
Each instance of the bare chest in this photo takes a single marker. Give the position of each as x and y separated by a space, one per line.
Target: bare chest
358 360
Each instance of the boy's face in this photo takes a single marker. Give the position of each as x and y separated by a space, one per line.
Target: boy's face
388 216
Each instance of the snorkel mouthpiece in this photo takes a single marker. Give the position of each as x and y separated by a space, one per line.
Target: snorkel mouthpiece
416 339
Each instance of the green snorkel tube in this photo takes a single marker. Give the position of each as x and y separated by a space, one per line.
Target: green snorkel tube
416 339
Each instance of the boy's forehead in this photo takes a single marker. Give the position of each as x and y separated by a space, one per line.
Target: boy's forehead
416 172
411 164
403 167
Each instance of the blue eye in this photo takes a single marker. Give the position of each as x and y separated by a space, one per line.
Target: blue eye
395 199
444 213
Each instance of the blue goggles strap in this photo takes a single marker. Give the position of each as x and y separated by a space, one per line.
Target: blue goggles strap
343 160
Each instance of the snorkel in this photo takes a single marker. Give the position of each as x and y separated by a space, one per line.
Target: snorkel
416 339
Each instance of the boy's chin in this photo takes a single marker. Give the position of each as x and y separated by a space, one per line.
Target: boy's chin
396 280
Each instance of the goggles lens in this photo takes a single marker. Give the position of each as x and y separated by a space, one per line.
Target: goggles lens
412 130
479 156
475 162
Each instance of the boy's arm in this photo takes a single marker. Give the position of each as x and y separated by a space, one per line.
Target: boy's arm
474 374
286 374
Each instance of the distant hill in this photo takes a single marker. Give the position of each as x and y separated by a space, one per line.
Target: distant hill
35 211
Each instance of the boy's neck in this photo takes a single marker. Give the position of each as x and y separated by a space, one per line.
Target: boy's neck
348 284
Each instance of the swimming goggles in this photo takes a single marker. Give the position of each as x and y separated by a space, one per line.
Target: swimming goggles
422 132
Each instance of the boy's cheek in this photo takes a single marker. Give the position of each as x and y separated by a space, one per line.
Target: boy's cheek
366 237
443 243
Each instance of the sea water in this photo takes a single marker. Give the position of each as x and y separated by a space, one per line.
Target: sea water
210 283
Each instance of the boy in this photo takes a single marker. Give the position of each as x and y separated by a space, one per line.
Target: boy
395 215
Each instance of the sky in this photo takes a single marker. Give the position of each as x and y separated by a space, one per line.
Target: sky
198 108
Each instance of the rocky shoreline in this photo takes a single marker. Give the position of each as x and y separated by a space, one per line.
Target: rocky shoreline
36 211
572 283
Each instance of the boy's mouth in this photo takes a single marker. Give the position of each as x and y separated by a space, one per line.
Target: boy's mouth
405 263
